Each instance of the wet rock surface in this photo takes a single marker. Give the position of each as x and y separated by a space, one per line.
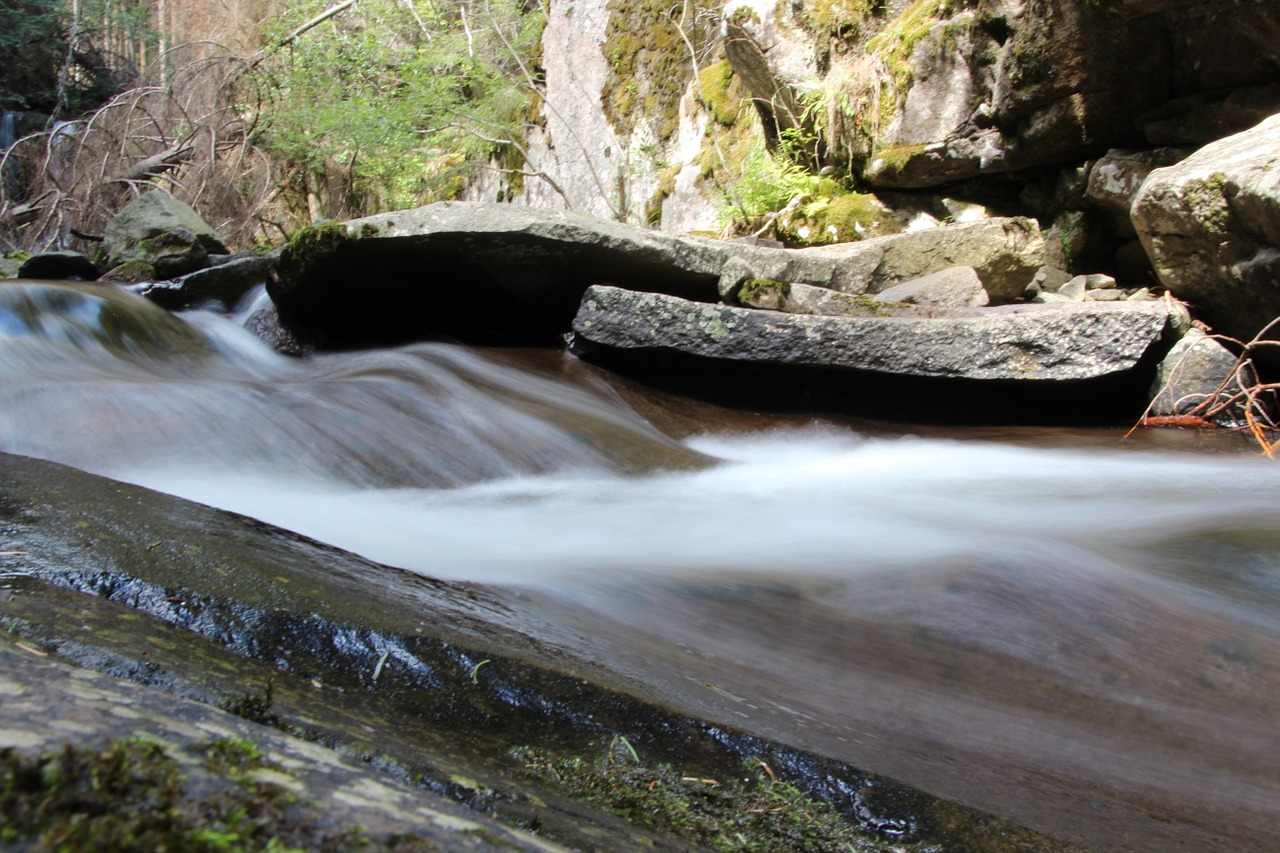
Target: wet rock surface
329 793
433 681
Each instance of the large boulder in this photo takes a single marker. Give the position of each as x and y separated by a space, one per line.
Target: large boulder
159 230
507 274
1211 226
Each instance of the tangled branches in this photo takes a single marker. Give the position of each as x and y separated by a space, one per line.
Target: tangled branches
193 135
1241 400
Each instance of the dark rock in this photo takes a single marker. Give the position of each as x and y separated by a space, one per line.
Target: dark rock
217 288
265 326
59 266
1200 119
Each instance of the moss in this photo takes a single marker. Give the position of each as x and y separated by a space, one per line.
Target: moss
721 93
764 293
895 44
649 61
130 796
309 248
750 810
895 157
840 17
1209 202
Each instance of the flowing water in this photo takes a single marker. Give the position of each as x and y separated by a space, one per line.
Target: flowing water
1074 631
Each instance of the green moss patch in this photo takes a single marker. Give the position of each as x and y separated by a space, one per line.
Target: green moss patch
750 810
131 795
647 49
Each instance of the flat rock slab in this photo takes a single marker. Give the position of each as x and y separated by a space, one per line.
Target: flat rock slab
506 274
1036 343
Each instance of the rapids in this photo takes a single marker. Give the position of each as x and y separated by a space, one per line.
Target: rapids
1083 636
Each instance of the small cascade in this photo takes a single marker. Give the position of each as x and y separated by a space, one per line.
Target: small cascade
8 129
104 380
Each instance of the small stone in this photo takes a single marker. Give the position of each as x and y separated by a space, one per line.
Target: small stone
1074 289
1106 294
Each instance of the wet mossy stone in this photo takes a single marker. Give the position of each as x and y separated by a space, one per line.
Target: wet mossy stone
158 229
130 272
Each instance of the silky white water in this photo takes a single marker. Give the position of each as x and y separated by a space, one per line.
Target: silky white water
808 502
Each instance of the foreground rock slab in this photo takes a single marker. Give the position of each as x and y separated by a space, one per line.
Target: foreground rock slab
505 274
439 681
335 793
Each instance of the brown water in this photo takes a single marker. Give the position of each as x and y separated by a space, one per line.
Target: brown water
1066 628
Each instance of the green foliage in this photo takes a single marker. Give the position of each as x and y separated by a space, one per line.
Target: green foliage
44 72
770 180
397 106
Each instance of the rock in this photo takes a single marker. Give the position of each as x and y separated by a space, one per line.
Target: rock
1050 279
954 287
59 266
130 272
1200 119
1004 252
960 92
217 288
158 229
732 276
800 298
1191 374
1115 179
505 274
9 267
1211 226
1074 289
1106 294
1020 343
264 324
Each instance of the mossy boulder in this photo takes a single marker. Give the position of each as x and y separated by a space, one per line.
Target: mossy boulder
159 230
1211 226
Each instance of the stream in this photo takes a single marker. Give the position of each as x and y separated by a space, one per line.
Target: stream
1067 628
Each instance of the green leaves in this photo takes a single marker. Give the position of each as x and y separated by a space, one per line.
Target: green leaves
397 101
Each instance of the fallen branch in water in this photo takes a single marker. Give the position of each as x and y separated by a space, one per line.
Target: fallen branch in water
1241 401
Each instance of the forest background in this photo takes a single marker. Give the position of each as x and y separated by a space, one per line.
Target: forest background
262 114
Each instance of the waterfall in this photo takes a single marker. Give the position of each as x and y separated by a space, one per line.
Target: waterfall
8 129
